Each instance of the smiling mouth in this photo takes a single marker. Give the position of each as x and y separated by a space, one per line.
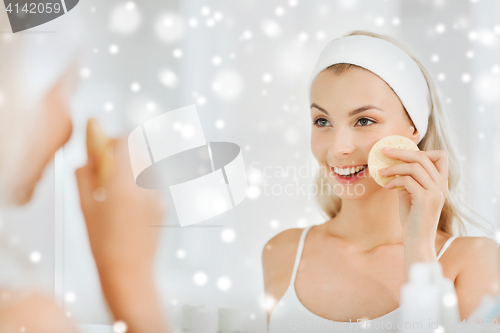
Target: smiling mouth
350 175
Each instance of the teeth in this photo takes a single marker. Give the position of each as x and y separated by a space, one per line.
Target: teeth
348 171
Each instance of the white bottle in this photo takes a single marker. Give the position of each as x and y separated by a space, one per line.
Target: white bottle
187 317
229 320
204 320
420 301
448 310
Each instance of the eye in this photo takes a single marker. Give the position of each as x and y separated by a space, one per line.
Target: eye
320 122
364 121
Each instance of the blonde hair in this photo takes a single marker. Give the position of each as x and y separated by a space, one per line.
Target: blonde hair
439 136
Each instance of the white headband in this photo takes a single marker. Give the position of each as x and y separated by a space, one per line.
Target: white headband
390 63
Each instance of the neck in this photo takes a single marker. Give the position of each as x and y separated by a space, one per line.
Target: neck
369 222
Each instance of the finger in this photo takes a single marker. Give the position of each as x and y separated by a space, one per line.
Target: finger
415 170
122 176
121 160
440 160
411 156
407 182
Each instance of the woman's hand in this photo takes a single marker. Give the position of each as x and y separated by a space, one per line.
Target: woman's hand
121 217
122 223
425 181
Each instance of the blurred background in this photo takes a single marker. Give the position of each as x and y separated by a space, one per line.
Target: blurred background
245 65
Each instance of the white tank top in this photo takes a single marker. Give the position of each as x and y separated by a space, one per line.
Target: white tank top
290 315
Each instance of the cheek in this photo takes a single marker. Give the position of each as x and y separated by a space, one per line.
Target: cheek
319 145
58 122
67 128
366 148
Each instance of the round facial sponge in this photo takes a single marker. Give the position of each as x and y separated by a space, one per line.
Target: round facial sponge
377 160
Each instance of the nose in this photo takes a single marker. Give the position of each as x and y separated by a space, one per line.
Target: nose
341 145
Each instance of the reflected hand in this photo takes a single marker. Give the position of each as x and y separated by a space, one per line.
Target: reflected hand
121 218
119 226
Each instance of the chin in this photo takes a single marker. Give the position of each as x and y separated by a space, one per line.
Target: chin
361 189
22 195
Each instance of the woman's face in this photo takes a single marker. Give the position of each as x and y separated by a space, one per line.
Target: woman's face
350 113
52 131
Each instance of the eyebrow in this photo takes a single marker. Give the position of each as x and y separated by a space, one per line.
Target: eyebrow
353 112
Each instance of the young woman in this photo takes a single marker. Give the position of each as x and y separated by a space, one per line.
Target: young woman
353 265
35 121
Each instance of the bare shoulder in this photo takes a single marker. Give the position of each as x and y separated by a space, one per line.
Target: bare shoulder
474 255
278 257
35 312
467 247
473 248
477 259
281 246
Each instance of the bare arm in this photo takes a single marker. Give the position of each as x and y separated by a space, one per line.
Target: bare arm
34 313
134 299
